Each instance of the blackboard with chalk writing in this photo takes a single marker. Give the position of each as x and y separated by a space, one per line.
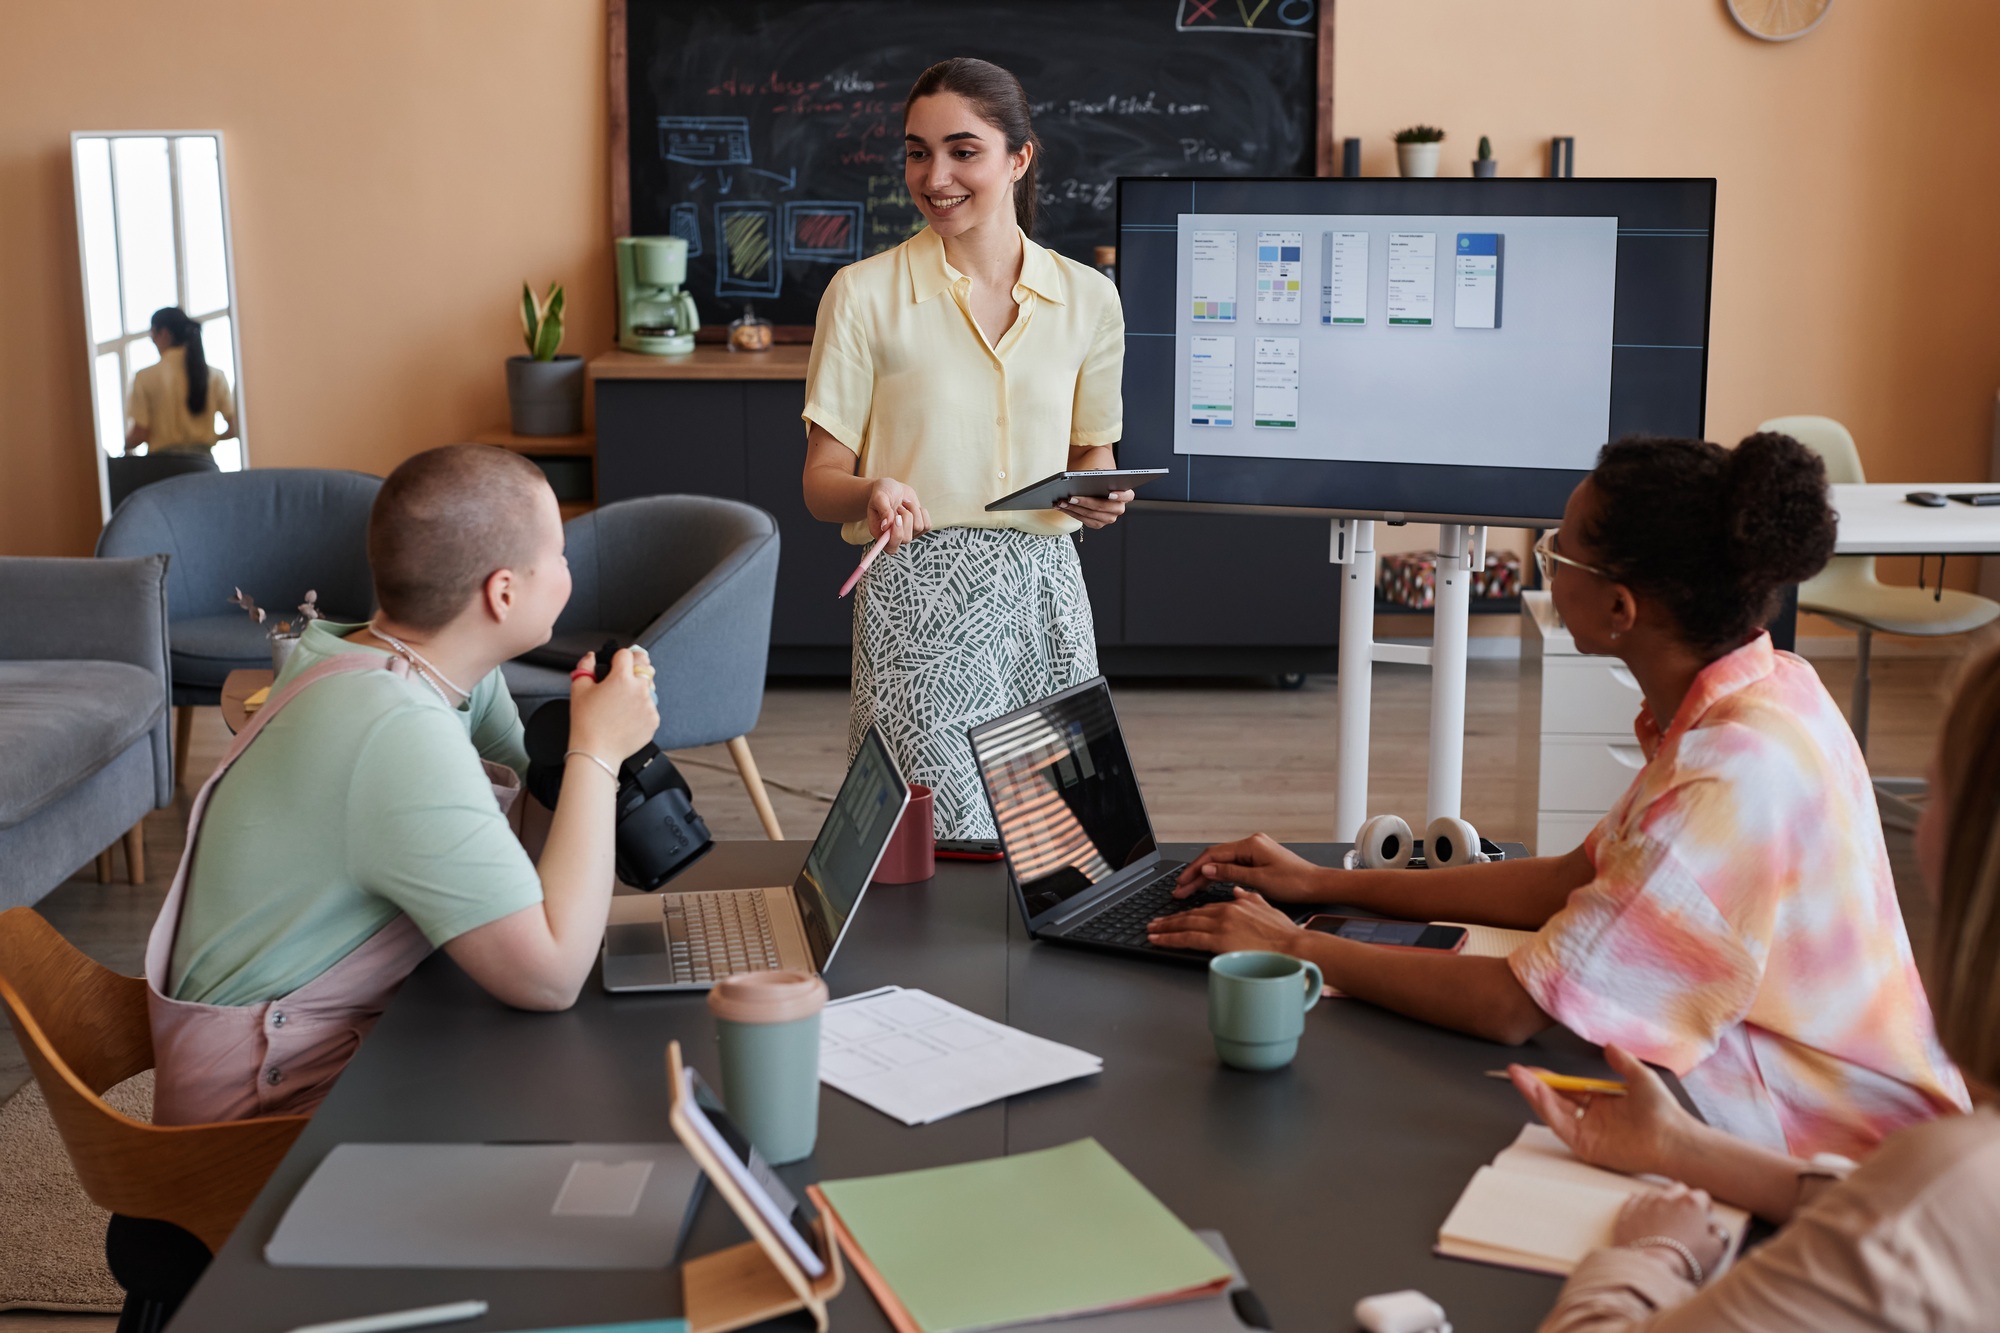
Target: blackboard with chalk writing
769 132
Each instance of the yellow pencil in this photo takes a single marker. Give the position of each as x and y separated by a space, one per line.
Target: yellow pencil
1570 1082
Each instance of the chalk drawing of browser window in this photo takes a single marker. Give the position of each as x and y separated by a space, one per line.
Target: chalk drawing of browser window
705 141
821 232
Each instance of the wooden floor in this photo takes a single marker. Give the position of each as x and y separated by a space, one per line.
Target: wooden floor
1217 759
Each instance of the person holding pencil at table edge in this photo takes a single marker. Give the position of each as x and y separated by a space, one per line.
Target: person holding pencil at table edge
946 373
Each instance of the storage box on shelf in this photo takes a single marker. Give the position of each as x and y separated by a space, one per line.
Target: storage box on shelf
1409 579
1578 752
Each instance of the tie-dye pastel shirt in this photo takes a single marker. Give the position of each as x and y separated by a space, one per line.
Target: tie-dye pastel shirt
1742 929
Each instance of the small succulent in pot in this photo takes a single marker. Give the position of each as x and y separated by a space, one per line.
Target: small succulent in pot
1484 165
1417 150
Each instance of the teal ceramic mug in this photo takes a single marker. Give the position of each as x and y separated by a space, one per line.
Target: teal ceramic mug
1257 1004
767 1026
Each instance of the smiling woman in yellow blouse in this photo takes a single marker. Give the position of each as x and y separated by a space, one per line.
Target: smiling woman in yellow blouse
959 366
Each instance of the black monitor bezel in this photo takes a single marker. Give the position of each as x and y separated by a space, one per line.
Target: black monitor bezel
1419 492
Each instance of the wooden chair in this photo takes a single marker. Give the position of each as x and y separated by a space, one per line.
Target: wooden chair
85 1029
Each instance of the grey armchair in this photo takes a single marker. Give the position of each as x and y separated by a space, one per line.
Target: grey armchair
274 532
690 578
83 717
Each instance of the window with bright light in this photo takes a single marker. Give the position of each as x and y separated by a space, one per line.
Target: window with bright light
153 225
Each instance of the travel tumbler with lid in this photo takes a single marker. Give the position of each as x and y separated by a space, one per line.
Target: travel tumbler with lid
767 1025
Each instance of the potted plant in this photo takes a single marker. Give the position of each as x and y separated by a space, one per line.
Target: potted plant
1484 165
1417 150
283 634
544 391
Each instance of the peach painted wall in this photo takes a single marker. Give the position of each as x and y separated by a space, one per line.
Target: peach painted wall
1857 273
396 169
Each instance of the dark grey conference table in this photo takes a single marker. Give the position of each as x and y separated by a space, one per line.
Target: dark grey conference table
1328 1178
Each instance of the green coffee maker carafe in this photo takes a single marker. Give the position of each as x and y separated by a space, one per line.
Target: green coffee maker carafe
655 312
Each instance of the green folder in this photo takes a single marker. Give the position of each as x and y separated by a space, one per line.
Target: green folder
1041 1235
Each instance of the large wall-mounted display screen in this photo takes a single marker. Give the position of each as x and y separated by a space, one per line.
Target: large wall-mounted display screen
1429 348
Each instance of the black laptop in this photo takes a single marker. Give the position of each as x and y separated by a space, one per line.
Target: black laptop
1080 849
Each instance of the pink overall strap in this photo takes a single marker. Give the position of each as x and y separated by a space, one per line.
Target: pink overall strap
211 1058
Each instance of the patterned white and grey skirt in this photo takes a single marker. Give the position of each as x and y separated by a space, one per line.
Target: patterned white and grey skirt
958 626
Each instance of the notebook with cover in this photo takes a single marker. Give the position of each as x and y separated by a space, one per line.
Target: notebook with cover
1013 1240
1540 1208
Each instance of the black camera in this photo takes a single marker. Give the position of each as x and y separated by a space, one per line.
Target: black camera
659 833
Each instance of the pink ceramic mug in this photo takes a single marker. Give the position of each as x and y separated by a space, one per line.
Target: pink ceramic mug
912 854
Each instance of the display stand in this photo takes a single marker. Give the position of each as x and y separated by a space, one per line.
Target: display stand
757 1280
1461 549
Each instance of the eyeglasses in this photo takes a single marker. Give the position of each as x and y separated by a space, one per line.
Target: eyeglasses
1547 557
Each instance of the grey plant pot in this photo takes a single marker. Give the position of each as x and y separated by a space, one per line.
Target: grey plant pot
1485 166
545 397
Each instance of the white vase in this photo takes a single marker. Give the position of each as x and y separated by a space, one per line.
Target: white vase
281 650
1417 159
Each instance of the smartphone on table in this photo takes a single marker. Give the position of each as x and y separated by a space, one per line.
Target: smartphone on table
1390 934
969 849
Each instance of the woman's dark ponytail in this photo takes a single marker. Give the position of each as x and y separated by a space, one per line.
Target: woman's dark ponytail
187 334
1000 101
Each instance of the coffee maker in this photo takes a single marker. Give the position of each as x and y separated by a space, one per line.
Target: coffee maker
655 313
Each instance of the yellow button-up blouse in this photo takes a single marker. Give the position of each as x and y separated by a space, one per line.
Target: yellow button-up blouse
901 374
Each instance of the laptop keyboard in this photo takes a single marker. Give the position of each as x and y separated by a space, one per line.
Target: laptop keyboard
714 935
1124 921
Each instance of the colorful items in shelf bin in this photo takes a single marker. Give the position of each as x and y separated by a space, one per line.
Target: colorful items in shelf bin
1409 578
1500 578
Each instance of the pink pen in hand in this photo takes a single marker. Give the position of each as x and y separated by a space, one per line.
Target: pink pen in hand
867 560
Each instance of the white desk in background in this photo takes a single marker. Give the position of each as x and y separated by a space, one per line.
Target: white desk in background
1877 520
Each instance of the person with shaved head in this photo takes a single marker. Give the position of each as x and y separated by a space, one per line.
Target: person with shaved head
360 819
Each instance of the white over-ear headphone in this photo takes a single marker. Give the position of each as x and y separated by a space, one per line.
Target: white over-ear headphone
1384 843
1451 841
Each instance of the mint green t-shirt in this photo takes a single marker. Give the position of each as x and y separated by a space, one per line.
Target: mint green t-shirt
362 799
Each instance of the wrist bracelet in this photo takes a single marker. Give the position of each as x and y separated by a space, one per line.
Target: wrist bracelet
609 770
1694 1271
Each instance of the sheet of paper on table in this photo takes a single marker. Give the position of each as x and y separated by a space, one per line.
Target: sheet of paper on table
920 1059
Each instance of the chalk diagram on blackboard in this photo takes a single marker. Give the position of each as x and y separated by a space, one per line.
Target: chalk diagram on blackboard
1271 18
684 221
706 141
821 232
746 249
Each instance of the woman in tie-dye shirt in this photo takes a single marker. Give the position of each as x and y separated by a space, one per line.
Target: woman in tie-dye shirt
1733 918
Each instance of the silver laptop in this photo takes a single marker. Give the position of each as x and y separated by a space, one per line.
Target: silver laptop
689 941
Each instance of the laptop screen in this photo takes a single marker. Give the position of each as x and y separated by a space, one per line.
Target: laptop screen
849 846
1064 795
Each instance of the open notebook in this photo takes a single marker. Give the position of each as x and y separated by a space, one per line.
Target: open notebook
1538 1207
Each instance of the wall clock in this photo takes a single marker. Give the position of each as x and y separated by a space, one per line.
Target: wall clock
1778 20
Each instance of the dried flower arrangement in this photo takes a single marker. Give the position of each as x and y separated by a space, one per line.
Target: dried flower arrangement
281 629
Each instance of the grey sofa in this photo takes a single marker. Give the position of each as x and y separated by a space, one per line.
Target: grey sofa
689 577
83 715
275 533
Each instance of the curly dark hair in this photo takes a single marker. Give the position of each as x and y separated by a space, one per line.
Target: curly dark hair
1711 533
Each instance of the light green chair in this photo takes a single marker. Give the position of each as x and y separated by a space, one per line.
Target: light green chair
1848 593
